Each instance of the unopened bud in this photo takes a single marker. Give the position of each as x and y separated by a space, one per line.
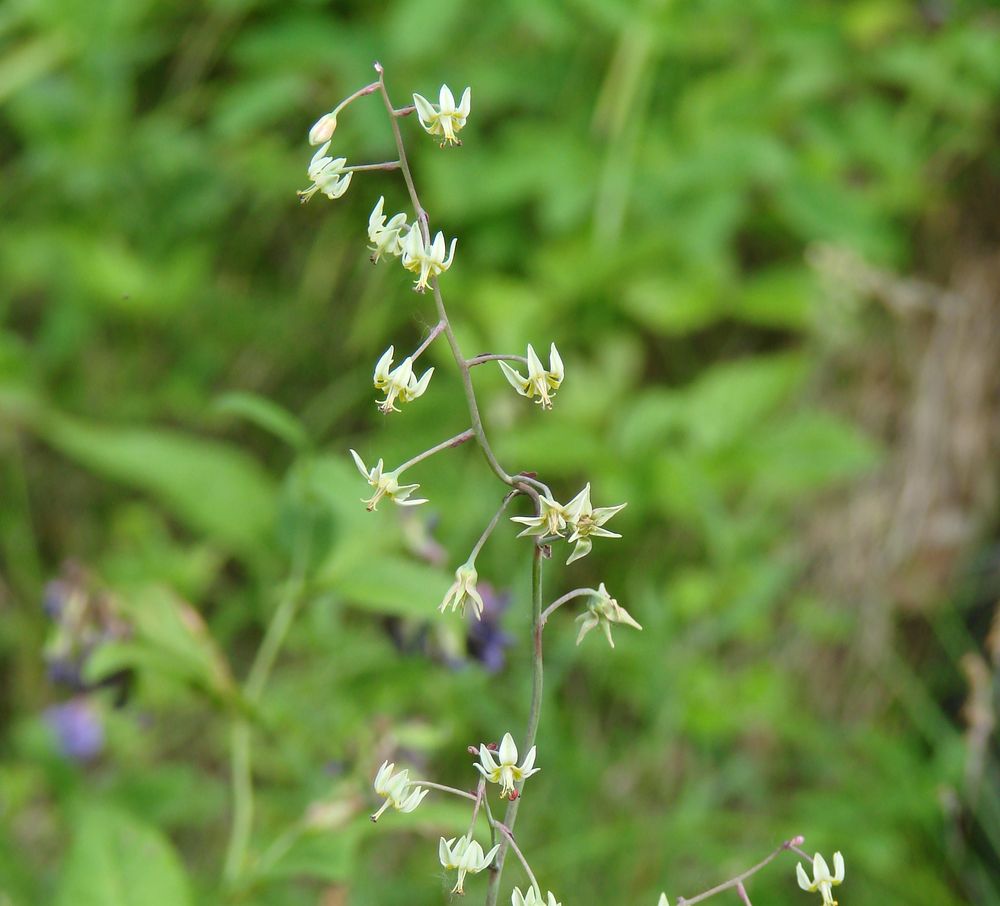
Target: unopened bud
322 129
472 750
514 794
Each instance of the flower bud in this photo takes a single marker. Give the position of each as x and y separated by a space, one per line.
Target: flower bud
323 129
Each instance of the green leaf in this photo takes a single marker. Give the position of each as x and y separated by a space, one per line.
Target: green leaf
266 415
213 487
117 860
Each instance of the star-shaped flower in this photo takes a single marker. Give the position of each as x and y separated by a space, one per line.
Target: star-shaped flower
385 238
504 770
399 384
444 118
603 610
329 176
463 591
396 790
822 880
539 382
466 855
551 519
587 522
386 484
426 260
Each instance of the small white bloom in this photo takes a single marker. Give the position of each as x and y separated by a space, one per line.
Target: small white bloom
504 769
663 901
587 522
396 790
539 382
532 898
399 384
466 855
444 118
328 175
551 520
426 260
603 610
385 238
822 880
386 484
463 591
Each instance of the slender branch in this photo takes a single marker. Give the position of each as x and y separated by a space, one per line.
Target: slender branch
430 338
421 215
534 712
444 789
387 165
480 795
455 441
509 837
495 357
569 596
493 524
739 879
404 111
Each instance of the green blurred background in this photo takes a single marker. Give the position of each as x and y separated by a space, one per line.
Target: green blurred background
763 234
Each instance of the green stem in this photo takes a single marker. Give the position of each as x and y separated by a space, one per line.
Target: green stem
534 714
240 755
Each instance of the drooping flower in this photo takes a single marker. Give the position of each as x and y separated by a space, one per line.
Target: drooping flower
465 855
444 118
397 790
532 898
586 522
603 610
539 382
386 484
822 880
551 519
463 591
385 238
426 259
504 770
399 384
329 176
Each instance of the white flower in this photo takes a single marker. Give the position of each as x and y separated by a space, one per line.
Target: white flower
463 591
386 484
400 383
551 519
822 880
444 118
385 238
504 770
426 260
603 610
532 898
586 521
395 789
329 176
466 855
539 382
663 901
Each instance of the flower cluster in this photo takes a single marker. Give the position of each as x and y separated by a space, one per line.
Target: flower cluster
579 517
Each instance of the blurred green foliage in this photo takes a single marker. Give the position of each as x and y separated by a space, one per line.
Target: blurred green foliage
184 361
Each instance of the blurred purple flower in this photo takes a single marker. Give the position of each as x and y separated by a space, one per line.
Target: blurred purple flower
485 640
78 728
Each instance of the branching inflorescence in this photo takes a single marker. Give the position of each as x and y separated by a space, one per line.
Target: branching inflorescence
577 522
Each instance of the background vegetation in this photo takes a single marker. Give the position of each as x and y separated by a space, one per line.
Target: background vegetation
707 204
